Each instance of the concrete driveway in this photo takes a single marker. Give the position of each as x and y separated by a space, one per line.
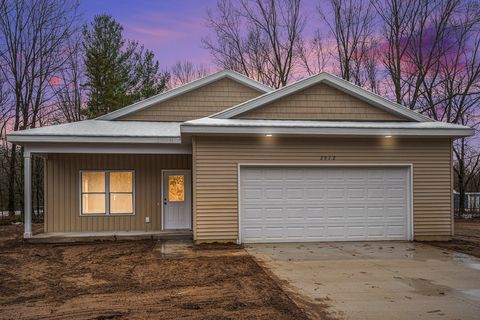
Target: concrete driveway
378 280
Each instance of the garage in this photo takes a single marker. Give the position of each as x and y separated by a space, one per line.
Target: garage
324 203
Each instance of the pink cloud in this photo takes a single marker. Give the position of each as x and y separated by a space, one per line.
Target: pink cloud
55 80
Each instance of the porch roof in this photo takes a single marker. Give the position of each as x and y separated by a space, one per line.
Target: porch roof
100 131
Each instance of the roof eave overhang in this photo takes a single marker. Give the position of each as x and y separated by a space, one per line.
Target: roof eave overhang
25 139
296 131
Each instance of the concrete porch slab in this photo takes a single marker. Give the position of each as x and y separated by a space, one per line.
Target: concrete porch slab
66 237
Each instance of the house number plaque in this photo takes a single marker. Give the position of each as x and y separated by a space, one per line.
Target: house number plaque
327 158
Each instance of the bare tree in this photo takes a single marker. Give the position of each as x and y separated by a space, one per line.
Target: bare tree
370 66
186 71
67 86
466 167
259 38
5 116
313 55
399 19
5 111
430 42
418 33
33 35
351 24
450 90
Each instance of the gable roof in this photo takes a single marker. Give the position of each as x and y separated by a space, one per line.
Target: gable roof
333 81
184 89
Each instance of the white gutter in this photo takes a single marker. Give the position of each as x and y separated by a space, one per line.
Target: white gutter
23 138
339 131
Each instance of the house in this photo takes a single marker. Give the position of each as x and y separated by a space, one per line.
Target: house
232 160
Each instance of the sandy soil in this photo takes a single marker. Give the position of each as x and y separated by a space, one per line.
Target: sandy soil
120 280
466 239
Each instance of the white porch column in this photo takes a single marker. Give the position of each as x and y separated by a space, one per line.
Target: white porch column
27 204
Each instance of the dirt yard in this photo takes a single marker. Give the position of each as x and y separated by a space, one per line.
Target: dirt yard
130 280
466 239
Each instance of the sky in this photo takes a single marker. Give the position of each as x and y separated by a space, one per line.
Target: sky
173 29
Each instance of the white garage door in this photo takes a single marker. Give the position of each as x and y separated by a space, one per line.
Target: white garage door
294 204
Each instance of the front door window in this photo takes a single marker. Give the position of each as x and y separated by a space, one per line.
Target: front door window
176 188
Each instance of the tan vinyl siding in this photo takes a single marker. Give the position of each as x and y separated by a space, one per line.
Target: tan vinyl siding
199 103
63 190
216 166
319 102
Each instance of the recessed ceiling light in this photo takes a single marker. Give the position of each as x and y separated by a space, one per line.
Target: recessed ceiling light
388 136
268 135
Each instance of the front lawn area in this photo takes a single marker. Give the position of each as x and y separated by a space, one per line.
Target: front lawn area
116 280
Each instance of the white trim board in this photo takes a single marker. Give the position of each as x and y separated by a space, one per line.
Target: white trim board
19 139
331 80
184 89
409 166
108 148
319 131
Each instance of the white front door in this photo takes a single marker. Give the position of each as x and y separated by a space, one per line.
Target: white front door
294 204
177 203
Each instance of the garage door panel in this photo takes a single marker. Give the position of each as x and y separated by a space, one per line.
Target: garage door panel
314 193
271 175
335 193
323 204
396 193
294 193
397 213
354 232
356 193
315 213
293 174
356 212
273 193
254 213
252 193
375 193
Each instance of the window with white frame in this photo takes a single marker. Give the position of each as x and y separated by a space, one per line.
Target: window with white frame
109 192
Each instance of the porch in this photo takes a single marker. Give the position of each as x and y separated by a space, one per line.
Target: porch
124 165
